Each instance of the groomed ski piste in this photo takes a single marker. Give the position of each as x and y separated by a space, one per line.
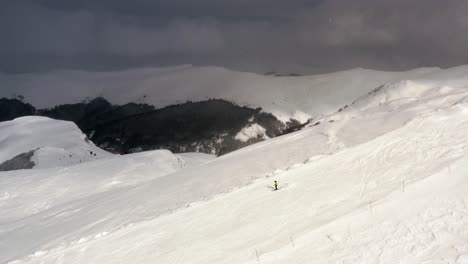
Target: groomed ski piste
383 181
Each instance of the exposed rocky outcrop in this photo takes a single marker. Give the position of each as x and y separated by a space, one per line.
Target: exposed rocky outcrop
20 162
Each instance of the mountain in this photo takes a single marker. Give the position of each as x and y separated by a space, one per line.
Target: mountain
13 108
185 108
214 126
38 142
300 97
381 181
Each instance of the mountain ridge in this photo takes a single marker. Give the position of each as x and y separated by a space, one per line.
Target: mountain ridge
382 180
300 98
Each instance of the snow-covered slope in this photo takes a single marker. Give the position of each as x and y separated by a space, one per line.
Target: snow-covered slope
55 143
382 181
285 97
23 191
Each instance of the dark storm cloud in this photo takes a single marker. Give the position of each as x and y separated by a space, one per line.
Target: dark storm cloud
259 35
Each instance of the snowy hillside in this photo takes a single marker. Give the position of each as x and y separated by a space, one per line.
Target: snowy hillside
52 143
382 181
285 97
87 180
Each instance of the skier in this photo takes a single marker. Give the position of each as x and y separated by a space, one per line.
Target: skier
276 185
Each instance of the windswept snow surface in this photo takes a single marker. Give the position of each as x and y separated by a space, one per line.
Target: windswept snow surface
286 97
383 181
23 191
56 143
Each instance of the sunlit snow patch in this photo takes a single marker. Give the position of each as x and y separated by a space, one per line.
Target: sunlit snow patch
251 131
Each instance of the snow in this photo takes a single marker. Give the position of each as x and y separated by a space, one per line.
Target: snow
195 158
58 143
251 131
385 182
26 189
300 97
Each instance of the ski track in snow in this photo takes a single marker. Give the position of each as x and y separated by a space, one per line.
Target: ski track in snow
389 153
383 183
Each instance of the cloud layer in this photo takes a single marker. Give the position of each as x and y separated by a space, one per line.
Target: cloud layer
252 35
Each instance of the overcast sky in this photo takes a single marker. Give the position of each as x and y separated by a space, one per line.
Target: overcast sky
304 36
